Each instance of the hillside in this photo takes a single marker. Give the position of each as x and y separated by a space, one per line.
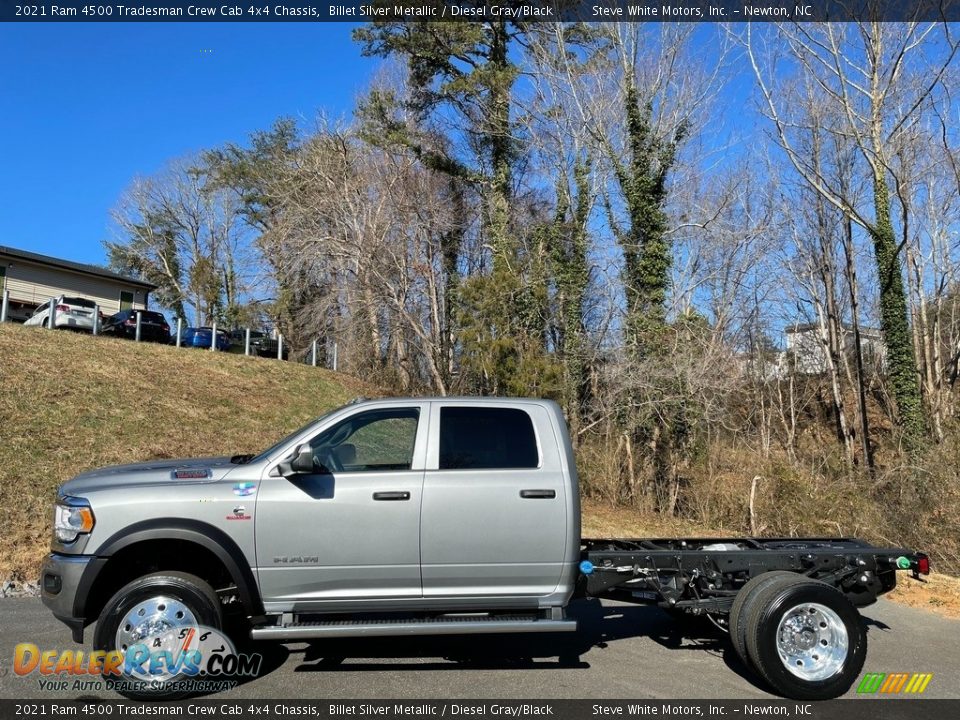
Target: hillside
72 402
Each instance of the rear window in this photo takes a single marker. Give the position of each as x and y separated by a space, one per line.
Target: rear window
81 302
479 438
154 316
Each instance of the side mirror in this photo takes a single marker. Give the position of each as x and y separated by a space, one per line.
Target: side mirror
300 464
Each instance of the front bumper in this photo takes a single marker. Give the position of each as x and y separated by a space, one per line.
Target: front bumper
65 582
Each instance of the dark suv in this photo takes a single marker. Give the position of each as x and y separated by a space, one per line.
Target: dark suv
261 344
153 325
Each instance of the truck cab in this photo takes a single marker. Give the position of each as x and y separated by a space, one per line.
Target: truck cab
419 504
398 505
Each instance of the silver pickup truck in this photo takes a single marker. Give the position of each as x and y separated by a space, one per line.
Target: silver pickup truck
432 516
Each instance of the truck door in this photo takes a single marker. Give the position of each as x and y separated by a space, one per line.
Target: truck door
494 502
349 531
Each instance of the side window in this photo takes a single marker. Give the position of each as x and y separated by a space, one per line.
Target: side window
483 438
377 440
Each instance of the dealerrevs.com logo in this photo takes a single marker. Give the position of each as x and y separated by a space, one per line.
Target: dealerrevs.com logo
894 683
179 660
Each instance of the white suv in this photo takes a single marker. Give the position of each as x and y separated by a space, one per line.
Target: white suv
71 312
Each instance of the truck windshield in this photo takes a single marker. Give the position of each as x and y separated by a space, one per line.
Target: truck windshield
276 446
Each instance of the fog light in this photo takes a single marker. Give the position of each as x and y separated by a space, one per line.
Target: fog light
52 583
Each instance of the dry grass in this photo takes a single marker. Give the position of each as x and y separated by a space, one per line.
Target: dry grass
603 520
939 593
73 402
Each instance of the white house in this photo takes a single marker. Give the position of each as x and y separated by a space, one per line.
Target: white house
31 279
808 356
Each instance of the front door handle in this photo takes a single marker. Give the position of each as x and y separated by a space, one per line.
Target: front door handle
392 495
538 494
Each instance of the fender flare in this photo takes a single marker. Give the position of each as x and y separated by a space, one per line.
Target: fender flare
207 536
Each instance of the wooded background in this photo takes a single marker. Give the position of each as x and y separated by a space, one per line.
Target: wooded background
626 218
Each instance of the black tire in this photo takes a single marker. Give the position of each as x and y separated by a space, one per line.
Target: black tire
741 605
781 600
192 592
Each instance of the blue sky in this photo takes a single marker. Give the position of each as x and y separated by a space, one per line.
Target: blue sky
84 108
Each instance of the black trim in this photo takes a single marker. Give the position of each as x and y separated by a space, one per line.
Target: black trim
76 626
208 536
538 494
392 495
85 587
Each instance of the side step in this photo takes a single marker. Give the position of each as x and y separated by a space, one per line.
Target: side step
447 625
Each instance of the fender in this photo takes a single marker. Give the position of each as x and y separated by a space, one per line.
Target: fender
212 538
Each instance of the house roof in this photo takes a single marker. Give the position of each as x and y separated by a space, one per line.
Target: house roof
801 327
73 266
807 327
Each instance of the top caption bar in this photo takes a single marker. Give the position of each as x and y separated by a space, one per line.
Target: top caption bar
480 11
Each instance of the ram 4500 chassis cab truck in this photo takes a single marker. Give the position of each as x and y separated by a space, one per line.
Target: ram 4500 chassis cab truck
433 516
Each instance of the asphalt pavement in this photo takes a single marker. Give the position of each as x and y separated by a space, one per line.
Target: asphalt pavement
620 651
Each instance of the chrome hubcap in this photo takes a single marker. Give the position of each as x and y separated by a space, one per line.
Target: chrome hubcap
153 618
812 642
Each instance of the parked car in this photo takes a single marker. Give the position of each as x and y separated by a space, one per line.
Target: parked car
153 325
261 344
431 516
200 337
75 313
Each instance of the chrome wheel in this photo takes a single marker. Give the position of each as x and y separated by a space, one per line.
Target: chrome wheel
153 618
812 642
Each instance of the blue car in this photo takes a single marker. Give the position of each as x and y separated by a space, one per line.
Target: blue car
200 337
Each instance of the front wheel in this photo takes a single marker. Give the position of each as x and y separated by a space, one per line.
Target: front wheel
150 612
806 639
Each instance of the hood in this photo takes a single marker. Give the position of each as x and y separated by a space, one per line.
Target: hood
155 472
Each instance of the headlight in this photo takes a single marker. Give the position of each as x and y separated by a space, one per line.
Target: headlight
71 517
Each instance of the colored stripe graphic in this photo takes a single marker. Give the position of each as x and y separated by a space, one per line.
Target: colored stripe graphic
894 683
898 686
890 682
871 682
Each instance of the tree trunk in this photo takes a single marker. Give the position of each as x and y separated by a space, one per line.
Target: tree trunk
901 363
851 273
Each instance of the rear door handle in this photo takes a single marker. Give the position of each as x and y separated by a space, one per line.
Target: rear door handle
392 495
538 494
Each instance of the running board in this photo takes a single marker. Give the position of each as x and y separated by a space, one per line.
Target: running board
455 625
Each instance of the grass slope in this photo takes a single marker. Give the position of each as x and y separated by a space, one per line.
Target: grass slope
71 402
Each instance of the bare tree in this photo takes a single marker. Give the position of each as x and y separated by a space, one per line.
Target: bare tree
879 80
367 226
180 232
